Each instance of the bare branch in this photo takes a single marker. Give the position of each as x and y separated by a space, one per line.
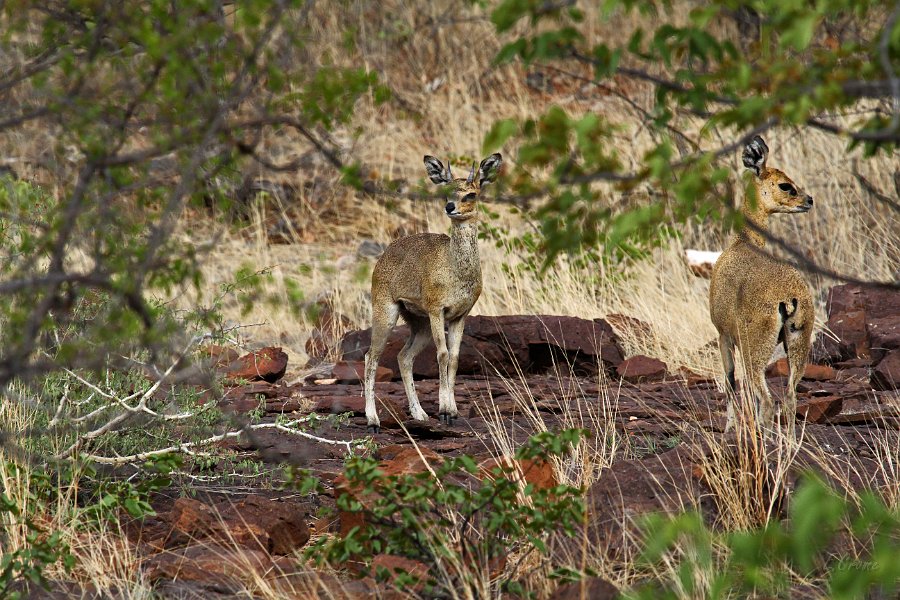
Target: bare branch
873 191
187 447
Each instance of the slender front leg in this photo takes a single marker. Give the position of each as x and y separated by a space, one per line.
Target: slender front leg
443 360
454 339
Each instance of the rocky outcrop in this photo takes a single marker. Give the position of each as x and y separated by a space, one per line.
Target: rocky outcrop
506 345
267 364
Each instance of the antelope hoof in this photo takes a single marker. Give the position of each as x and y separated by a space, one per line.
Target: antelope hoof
373 429
447 418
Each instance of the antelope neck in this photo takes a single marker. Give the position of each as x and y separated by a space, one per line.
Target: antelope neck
756 221
464 242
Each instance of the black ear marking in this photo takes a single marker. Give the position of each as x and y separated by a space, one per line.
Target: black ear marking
435 170
489 168
755 154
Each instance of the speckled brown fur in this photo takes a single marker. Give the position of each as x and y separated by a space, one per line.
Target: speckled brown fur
756 301
430 279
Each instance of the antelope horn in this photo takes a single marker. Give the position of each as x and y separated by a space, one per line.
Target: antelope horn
449 173
471 177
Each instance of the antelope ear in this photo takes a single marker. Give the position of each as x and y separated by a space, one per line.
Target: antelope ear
436 171
755 155
489 168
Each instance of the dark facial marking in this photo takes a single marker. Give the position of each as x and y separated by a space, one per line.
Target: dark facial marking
786 187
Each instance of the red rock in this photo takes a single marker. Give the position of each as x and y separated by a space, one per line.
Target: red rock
629 327
884 333
877 302
820 410
853 374
868 413
886 374
779 368
211 564
693 379
193 518
473 355
818 372
508 345
591 588
854 363
268 364
640 368
538 473
353 372
391 411
255 522
246 398
864 318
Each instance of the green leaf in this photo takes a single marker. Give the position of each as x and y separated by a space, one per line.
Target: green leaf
500 132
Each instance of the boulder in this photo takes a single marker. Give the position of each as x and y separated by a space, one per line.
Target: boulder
820 410
473 354
536 343
354 372
268 364
815 372
217 566
640 368
255 522
390 411
866 321
509 345
630 328
886 374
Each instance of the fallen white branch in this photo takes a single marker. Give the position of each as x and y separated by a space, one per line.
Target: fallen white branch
187 447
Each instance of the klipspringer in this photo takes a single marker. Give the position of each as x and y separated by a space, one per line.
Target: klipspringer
757 301
430 279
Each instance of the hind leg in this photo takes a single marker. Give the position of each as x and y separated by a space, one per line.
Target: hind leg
419 337
760 341
726 349
384 317
797 347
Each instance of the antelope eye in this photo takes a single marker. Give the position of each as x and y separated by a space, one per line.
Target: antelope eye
786 187
470 197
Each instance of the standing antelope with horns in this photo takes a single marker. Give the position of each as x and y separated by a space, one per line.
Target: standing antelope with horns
757 301
430 279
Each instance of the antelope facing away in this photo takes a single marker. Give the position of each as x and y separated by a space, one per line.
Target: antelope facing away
756 301
430 279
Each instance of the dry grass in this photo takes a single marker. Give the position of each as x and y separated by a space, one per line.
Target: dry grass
436 58
412 47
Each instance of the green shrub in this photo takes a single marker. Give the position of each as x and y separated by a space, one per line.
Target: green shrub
709 564
453 520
